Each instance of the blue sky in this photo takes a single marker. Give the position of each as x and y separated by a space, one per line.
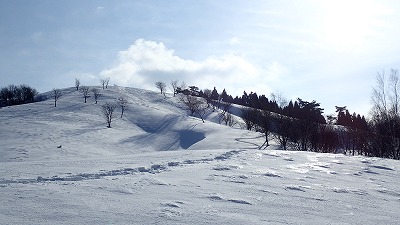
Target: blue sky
328 51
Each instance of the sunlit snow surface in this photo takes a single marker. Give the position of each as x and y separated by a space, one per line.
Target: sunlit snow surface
158 166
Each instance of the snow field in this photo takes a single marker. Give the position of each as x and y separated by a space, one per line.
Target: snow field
158 166
209 187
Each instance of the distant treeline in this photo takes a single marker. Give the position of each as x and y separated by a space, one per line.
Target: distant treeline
300 125
296 125
16 95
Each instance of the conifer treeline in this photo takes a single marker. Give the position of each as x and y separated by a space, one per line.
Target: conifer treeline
300 125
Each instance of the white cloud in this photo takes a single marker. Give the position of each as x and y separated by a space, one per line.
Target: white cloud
350 24
146 62
234 41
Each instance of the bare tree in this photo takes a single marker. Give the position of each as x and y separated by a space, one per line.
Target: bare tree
201 110
174 85
282 125
207 96
395 92
96 94
107 80
249 116
183 86
27 93
194 105
56 95
279 98
224 115
77 83
108 111
123 103
385 114
385 95
161 86
379 95
85 92
103 82
230 120
264 122
190 102
283 129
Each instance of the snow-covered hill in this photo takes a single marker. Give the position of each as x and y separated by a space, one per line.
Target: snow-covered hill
151 123
156 165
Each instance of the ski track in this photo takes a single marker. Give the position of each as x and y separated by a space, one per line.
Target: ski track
155 168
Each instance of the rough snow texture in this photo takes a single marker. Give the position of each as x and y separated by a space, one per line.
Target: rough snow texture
158 166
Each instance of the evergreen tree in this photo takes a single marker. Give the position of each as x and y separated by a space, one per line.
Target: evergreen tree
245 99
229 99
264 103
288 110
237 101
214 94
253 100
223 95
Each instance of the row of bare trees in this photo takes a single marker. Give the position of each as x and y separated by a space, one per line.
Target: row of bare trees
194 105
199 104
85 90
174 87
16 95
104 83
107 109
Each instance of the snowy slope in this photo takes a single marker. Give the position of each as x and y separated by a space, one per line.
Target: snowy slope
158 166
151 123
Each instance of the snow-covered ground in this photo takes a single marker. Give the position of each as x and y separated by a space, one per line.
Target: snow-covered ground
158 166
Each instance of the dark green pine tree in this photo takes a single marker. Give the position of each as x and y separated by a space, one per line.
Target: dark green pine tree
224 95
264 103
253 100
214 94
245 99
343 117
288 110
